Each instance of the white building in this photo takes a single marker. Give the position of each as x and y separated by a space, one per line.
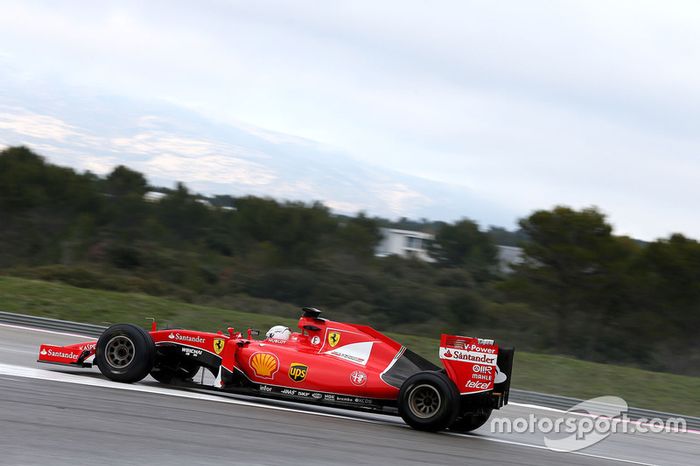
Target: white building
153 196
508 256
404 243
407 243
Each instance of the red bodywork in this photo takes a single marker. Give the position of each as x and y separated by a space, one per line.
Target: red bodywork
325 361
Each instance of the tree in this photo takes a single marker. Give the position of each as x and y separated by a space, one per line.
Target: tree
576 271
359 235
463 244
294 229
182 215
123 182
503 237
673 296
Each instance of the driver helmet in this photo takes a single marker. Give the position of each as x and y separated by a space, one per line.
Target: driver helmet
279 332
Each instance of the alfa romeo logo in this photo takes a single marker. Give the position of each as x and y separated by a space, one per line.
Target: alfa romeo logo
358 378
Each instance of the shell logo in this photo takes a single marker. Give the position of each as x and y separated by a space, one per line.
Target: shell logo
265 365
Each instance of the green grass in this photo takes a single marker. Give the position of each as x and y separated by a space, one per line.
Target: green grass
538 372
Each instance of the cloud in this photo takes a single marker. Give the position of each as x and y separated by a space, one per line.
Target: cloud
525 104
26 123
399 198
208 168
152 143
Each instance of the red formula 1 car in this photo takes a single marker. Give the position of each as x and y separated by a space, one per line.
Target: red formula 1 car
326 363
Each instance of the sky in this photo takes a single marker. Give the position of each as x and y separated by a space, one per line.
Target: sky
437 109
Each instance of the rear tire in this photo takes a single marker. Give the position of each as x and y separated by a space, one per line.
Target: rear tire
428 401
469 422
125 353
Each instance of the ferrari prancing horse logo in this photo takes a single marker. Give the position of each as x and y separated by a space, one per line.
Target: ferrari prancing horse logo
219 345
333 338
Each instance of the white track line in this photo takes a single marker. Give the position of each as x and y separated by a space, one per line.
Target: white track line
159 390
42 374
9 349
522 405
41 330
542 447
668 429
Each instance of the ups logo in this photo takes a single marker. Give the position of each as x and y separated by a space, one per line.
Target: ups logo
297 372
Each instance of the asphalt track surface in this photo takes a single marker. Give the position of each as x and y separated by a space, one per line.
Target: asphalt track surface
51 415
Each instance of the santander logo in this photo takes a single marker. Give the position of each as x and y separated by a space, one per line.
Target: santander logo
468 356
177 336
59 354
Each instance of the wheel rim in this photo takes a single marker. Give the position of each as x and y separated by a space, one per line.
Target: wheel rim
119 352
424 401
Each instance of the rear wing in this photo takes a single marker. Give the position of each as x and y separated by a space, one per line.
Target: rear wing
478 365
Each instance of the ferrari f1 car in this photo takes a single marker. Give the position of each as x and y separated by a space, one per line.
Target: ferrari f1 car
326 363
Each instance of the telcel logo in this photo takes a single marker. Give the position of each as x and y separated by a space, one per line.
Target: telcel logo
478 385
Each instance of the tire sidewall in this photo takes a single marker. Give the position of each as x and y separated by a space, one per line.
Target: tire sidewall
449 401
144 353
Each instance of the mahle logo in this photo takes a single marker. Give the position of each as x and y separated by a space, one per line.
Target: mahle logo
298 371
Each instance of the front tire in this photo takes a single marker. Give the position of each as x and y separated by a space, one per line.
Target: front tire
428 401
125 353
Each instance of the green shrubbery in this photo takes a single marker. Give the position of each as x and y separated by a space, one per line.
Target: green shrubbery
582 291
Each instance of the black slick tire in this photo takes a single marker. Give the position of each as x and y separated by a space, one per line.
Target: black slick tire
125 353
428 401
